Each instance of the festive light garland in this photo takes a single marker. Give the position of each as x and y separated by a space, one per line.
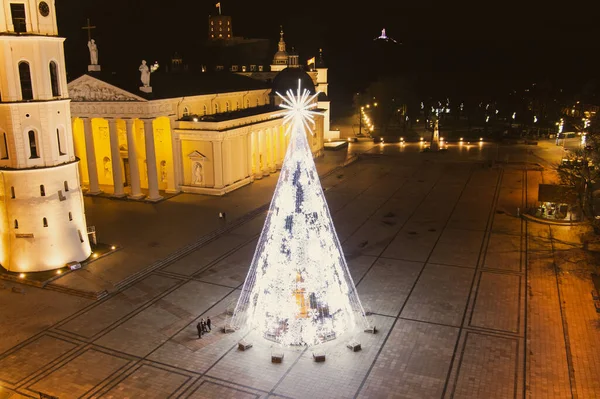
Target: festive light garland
298 290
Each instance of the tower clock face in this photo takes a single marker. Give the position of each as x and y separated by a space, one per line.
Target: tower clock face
44 9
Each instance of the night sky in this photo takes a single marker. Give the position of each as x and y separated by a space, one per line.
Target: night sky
479 49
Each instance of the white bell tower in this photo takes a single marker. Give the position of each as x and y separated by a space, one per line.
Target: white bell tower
42 218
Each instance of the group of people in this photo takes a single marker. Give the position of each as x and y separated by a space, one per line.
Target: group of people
203 327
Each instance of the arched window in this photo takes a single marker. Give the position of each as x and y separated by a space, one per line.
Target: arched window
205 110
237 105
16 224
227 106
70 216
66 186
42 190
45 222
247 103
61 144
257 103
33 148
216 108
186 111
25 77
80 235
12 192
54 79
4 147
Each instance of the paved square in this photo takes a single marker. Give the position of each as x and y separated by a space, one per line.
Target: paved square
468 299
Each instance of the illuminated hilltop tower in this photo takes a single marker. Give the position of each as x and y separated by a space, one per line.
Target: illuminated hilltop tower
298 290
42 219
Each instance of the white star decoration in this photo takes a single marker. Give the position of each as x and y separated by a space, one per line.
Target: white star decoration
299 109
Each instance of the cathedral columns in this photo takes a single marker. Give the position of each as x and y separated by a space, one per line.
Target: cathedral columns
249 154
264 168
153 194
256 155
116 158
277 134
91 156
172 186
271 141
218 163
136 191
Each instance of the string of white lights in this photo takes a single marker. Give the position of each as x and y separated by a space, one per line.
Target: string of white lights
298 290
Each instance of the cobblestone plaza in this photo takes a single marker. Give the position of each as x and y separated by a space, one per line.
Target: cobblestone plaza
469 299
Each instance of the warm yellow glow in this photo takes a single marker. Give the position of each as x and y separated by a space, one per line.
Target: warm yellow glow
375 104
401 138
461 139
113 247
22 275
368 105
95 255
481 139
421 139
59 271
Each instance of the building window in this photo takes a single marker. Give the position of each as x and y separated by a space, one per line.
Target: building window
227 106
80 235
16 224
42 190
257 103
247 103
25 77
237 105
186 111
18 17
33 145
45 222
216 108
12 192
70 216
4 147
54 79
66 186
205 110
60 143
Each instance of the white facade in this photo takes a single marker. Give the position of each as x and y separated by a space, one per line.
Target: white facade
41 210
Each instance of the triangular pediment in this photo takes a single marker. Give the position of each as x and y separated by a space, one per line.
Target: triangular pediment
89 89
197 156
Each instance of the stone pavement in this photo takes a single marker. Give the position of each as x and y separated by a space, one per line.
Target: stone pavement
469 300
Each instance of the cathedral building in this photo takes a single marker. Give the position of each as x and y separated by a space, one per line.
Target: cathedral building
205 132
42 218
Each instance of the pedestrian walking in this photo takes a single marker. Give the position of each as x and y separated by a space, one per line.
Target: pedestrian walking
208 324
199 328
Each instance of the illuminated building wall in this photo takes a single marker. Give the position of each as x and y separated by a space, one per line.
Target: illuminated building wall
43 222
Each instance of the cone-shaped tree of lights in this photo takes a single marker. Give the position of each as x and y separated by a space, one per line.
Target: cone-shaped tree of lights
298 290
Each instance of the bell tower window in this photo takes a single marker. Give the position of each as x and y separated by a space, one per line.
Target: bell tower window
17 11
33 145
60 141
4 147
54 79
25 77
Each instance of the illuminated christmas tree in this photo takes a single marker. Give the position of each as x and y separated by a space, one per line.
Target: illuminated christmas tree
298 290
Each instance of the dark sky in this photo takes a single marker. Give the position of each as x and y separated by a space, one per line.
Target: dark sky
477 47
